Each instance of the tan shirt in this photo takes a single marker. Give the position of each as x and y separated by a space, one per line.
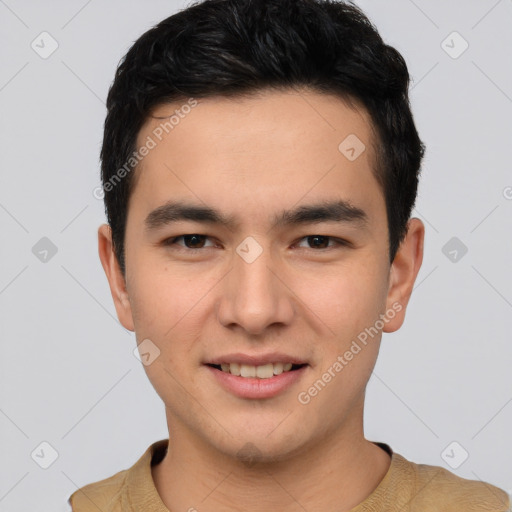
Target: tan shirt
406 487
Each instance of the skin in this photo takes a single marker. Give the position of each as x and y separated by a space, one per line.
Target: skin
252 158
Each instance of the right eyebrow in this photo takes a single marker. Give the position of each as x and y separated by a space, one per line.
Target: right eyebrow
173 211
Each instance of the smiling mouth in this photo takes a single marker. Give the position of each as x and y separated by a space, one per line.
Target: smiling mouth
265 371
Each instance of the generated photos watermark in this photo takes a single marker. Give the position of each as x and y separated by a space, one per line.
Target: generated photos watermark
305 397
150 143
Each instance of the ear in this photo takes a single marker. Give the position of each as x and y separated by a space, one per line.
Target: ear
403 272
115 277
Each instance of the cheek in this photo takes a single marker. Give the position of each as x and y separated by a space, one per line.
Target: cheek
163 302
347 299
167 309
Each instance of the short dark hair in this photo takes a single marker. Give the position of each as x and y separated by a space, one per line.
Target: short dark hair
234 48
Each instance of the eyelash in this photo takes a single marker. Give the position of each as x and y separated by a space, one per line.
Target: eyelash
172 242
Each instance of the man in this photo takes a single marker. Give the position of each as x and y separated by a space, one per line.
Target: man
260 164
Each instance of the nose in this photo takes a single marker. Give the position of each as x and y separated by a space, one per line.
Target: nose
255 296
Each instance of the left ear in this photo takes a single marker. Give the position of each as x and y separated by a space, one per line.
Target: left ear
403 272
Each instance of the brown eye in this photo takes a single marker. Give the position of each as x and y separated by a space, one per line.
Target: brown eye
193 241
319 241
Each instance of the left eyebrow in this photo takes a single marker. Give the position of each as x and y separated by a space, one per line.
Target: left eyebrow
326 211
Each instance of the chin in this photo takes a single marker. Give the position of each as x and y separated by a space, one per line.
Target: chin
261 449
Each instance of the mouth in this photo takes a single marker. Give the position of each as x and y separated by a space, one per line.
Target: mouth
257 376
264 371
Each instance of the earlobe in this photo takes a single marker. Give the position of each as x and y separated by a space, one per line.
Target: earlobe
115 277
403 273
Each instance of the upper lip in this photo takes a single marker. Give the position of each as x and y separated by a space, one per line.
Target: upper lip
256 360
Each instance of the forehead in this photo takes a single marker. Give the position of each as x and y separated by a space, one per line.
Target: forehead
259 113
274 146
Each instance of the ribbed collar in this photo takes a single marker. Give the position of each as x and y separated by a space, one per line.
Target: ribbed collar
141 495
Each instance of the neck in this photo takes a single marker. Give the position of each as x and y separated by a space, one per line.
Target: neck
337 473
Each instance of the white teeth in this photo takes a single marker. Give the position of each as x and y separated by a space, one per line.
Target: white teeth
278 368
264 371
247 371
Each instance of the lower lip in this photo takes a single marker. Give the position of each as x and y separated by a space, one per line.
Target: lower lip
252 387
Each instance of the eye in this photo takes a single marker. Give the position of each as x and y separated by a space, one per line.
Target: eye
196 241
322 241
192 241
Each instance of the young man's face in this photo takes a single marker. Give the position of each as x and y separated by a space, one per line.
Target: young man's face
262 289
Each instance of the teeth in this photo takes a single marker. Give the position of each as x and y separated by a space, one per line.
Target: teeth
234 368
278 368
265 371
247 371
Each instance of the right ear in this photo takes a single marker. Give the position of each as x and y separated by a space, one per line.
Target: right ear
115 277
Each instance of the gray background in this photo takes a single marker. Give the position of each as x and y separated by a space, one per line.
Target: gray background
68 374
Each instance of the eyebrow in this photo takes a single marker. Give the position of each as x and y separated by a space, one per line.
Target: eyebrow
325 211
